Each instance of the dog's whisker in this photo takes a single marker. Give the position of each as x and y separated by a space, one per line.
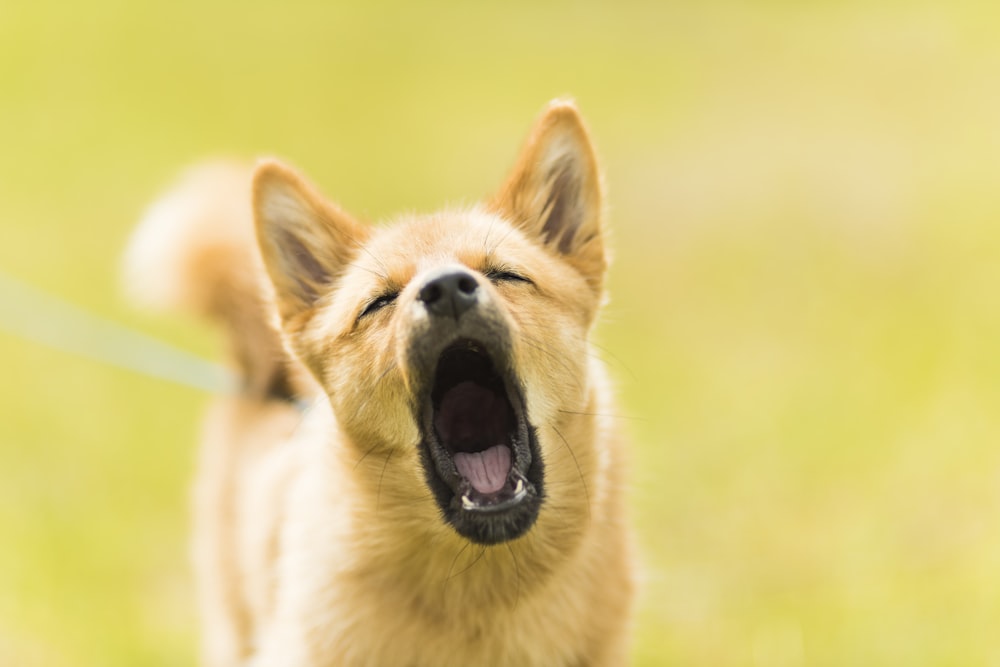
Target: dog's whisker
470 565
359 245
421 496
486 240
517 576
391 367
381 276
602 414
453 561
385 272
583 481
613 357
378 496
365 455
532 343
591 349
599 352
500 242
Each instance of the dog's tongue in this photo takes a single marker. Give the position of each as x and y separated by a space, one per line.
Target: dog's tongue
487 470
473 418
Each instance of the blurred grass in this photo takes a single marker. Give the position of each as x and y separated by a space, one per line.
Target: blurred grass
804 319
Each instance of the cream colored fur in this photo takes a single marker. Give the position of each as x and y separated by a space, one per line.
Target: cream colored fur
317 541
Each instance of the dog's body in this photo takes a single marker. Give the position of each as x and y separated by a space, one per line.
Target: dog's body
453 494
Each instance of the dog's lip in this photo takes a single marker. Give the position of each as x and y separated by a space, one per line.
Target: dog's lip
517 488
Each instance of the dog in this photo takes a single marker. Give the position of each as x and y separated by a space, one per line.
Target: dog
420 465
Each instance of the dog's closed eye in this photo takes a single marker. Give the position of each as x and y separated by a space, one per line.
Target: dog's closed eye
378 303
506 275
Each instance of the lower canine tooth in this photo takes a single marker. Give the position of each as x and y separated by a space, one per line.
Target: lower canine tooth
467 503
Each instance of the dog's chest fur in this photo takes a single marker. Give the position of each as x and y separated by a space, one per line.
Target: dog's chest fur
370 577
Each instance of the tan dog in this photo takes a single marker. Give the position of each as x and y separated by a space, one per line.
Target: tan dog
454 494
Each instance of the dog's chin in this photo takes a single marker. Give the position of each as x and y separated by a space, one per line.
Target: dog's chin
478 448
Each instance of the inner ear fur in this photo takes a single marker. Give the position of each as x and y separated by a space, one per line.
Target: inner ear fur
305 241
554 191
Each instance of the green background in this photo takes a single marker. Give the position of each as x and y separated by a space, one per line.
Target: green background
804 324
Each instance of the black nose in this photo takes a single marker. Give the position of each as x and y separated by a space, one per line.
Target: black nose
450 292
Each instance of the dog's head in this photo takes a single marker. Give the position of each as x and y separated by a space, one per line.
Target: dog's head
458 338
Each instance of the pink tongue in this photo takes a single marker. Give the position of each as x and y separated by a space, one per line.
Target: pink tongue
486 471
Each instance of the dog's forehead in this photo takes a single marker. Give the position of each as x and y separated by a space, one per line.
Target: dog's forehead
412 244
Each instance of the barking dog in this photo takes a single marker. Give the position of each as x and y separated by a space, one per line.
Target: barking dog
453 494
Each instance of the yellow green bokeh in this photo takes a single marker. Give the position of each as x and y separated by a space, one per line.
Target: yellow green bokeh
805 312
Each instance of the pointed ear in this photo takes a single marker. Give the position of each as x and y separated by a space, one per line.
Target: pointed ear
554 191
305 241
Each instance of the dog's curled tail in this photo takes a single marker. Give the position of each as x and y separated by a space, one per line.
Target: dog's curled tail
195 251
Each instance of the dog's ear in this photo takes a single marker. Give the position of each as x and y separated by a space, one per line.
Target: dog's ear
305 241
554 191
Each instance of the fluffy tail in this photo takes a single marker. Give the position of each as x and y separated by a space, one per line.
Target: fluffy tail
195 251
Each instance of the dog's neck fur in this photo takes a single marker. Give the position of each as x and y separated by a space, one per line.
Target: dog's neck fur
457 590
390 493
410 553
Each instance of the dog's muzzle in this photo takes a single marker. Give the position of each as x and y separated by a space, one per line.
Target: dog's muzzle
478 447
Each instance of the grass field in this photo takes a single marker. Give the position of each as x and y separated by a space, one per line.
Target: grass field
805 317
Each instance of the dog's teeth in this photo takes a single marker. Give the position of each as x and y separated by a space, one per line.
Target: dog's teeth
467 503
519 487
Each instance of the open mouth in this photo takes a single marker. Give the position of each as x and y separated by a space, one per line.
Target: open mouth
480 448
